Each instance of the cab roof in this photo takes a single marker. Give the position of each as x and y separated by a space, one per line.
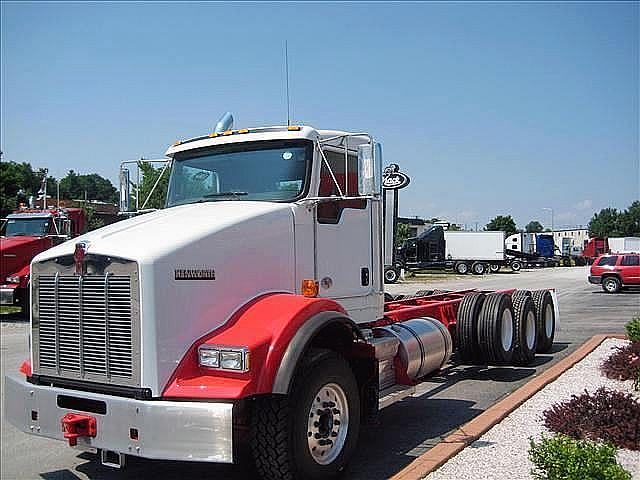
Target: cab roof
331 137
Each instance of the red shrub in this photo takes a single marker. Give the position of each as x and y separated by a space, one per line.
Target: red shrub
606 415
623 364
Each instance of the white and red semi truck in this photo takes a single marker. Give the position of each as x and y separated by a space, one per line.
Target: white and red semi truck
250 311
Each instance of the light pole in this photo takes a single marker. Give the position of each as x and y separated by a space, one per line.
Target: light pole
550 210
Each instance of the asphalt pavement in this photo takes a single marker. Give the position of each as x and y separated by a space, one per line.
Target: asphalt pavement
403 431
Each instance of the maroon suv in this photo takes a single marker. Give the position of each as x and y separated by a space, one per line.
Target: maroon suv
613 271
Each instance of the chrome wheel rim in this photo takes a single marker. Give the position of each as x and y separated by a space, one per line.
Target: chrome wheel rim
328 423
390 275
610 285
506 330
530 330
548 320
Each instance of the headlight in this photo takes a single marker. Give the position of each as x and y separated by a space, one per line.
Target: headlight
13 279
234 359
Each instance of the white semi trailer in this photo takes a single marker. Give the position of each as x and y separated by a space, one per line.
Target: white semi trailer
624 244
250 311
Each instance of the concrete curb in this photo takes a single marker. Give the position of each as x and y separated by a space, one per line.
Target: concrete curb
471 431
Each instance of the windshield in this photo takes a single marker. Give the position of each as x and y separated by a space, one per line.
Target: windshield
269 171
15 227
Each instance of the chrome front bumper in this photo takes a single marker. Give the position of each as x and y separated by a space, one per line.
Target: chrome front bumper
6 296
191 431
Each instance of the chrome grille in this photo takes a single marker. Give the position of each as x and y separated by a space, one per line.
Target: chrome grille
86 327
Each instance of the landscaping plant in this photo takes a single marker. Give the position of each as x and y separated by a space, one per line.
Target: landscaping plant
633 329
623 363
563 458
606 415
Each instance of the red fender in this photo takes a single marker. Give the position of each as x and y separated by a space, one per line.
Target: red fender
266 325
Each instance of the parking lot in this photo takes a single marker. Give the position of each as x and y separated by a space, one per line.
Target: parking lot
404 431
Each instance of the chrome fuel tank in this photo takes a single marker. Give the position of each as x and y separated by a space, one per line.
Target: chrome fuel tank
425 345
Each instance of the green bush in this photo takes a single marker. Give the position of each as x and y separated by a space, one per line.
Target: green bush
633 329
562 458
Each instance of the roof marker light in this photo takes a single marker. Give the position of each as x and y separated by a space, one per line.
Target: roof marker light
213 135
176 143
294 128
243 130
228 132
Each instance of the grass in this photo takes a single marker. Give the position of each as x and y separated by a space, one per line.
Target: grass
6 309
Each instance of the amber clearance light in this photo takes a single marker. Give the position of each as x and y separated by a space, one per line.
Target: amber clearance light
309 288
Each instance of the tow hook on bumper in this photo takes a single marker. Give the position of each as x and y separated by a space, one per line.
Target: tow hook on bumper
76 425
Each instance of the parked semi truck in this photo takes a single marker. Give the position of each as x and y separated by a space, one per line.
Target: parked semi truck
24 234
248 313
438 249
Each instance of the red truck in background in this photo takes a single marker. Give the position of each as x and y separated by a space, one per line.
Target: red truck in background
25 233
594 248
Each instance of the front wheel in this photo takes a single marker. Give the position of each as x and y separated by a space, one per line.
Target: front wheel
611 285
313 432
391 275
516 265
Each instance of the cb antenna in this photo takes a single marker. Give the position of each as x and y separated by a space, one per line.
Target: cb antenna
286 69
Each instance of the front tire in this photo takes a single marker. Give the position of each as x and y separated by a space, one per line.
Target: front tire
313 432
516 265
611 284
391 275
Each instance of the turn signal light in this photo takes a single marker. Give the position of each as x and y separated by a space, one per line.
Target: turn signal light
310 288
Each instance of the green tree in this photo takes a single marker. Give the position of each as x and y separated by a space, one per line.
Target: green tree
403 232
149 176
605 223
74 186
629 220
504 223
534 226
18 181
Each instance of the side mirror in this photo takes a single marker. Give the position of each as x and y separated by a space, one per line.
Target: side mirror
66 227
370 169
124 190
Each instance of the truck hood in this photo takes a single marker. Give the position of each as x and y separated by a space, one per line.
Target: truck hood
16 252
146 238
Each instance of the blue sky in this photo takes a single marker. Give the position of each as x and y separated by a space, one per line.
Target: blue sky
490 108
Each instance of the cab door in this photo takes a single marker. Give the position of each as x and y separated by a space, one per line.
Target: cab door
344 237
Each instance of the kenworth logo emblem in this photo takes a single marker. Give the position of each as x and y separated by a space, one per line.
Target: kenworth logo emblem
78 257
195 273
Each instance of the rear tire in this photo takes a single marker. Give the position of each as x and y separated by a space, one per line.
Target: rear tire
611 284
496 333
478 268
288 434
462 268
524 312
494 268
467 327
545 320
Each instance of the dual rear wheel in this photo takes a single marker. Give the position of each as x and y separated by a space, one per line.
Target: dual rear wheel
502 329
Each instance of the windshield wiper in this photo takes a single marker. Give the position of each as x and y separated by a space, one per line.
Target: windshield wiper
225 194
